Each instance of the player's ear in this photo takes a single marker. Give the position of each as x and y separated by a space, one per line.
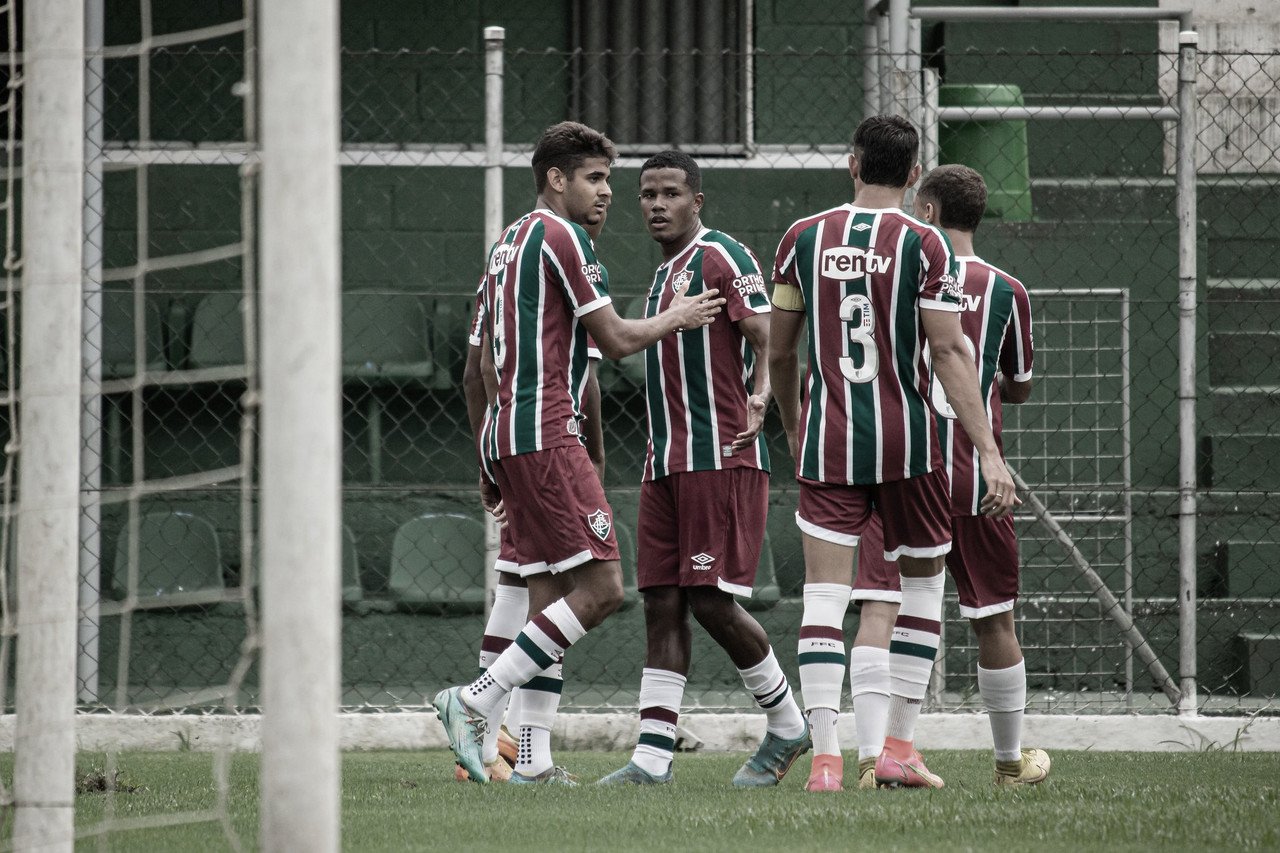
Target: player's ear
916 171
698 200
853 166
556 179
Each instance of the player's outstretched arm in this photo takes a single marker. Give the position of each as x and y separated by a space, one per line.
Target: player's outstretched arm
785 328
593 428
756 330
954 368
619 338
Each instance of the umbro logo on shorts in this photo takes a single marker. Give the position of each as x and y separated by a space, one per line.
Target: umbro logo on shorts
702 562
600 523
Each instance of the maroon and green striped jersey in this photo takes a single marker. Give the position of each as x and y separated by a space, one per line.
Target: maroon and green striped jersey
697 381
996 319
865 275
542 277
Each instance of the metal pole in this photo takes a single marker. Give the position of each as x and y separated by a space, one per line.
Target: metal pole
494 39
1186 184
301 518
1126 468
870 60
899 35
91 362
929 150
49 425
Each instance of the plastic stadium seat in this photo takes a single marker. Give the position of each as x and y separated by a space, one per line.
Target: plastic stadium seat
384 336
119 337
217 331
437 564
177 553
766 592
352 589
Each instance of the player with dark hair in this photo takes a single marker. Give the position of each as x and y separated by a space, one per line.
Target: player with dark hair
544 292
705 491
874 286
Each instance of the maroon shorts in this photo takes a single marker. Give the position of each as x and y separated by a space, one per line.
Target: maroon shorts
702 528
876 578
511 560
984 564
916 513
557 515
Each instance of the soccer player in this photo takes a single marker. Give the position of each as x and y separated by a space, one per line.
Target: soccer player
705 490
544 292
983 560
873 286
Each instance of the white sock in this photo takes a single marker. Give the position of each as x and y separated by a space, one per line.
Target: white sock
1004 694
534 756
822 728
542 643
661 692
869 687
914 645
769 686
821 649
509 612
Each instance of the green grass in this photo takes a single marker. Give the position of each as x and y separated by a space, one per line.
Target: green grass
408 801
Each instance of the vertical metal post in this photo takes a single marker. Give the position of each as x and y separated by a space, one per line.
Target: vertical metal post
899 47
929 150
1185 179
494 40
49 424
301 515
870 60
91 361
1126 471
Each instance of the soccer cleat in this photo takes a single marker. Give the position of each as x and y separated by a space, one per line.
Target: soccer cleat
891 772
772 760
465 732
867 774
1031 769
497 770
827 773
550 776
633 774
508 747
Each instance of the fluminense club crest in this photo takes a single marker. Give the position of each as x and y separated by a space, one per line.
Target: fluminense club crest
681 281
600 523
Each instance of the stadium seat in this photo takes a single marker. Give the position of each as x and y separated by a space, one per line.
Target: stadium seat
178 553
384 342
352 589
766 593
437 564
217 331
118 334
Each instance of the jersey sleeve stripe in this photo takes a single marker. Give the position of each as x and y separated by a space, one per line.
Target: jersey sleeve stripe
939 305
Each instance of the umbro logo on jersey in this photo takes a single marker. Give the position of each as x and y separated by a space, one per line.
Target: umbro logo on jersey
844 263
862 226
702 562
681 281
502 255
970 301
600 523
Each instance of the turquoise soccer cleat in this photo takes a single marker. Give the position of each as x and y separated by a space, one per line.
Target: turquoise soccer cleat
633 774
465 732
772 760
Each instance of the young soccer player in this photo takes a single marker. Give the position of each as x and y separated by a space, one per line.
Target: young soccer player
873 286
544 293
704 497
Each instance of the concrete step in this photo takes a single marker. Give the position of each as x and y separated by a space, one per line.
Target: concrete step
1245 357
1243 305
1243 409
1242 462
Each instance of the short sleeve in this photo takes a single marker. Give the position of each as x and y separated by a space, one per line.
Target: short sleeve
735 272
568 250
1017 353
940 281
784 261
593 351
476 336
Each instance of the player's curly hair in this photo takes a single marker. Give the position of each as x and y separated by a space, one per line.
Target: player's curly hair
886 148
676 160
960 194
565 146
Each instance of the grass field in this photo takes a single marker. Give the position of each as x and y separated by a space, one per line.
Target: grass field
408 801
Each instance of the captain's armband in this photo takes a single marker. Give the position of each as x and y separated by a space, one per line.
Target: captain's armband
787 297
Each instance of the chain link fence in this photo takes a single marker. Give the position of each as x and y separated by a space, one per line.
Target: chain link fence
1082 211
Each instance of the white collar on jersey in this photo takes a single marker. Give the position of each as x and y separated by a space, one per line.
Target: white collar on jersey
685 248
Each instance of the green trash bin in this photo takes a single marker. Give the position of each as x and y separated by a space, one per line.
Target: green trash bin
997 149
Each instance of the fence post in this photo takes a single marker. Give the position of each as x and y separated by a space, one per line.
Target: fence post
494 39
1186 186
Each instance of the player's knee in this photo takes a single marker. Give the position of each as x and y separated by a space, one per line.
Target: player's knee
714 610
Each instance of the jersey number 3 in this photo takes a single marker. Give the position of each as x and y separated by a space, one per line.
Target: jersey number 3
860 323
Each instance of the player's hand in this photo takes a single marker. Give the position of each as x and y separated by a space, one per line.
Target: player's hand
1002 494
695 311
756 407
793 444
491 499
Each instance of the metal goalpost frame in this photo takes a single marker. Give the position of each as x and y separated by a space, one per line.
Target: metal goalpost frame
929 114
49 425
301 515
494 43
